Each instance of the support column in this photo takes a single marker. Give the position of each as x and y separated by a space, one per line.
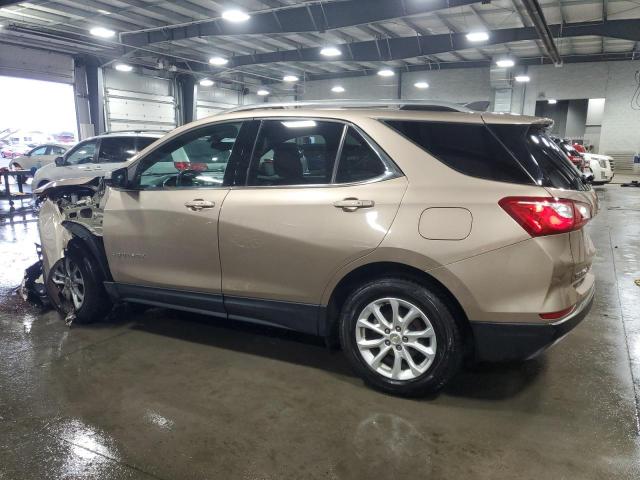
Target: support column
187 99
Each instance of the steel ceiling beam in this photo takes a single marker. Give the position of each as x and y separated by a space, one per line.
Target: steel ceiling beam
314 17
401 48
542 27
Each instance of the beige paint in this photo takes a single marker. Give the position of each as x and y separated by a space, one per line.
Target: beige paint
291 243
445 223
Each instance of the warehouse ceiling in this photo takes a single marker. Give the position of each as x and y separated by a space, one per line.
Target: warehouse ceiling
286 36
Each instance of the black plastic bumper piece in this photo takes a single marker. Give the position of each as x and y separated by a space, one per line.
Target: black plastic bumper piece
499 342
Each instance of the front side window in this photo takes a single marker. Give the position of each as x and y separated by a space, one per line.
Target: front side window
38 151
116 149
195 159
295 152
83 153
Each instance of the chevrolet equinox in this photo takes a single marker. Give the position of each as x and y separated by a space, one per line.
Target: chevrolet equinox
416 236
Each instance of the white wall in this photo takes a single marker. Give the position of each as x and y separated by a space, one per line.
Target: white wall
451 85
613 81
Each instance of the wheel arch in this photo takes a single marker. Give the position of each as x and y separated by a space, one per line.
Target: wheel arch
380 269
82 238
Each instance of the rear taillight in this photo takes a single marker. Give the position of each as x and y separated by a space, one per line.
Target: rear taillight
557 315
547 216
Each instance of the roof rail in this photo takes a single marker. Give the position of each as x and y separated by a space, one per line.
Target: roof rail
117 132
423 105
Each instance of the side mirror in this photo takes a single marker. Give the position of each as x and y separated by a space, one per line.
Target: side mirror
119 178
59 161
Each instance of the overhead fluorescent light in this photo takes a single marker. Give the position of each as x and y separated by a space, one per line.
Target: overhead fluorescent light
123 67
235 16
104 12
337 89
386 72
552 101
421 85
299 124
290 78
522 78
102 32
505 63
218 61
330 52
205 82
262 92
477 36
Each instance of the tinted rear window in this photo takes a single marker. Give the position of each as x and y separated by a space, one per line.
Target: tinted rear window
540 155
471 149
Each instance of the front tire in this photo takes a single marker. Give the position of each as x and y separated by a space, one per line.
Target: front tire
74 286
400 337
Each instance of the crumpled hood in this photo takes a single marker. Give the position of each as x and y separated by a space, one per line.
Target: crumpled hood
65 182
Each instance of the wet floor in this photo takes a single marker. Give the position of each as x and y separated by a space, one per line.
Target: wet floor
167 395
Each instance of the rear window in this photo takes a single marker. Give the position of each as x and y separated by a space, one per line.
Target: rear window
468 148
540 155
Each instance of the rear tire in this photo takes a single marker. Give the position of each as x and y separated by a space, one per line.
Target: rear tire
74 285
401 337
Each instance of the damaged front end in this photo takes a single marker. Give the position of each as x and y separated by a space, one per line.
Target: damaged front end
71 213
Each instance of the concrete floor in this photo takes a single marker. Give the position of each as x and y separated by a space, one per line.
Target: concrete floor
174 396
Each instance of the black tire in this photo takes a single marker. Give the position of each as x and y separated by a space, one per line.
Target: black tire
450 346
96 304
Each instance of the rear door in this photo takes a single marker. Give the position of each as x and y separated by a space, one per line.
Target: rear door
82 158
317 196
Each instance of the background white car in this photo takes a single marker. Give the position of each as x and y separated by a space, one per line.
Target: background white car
38 157
95 156
602 167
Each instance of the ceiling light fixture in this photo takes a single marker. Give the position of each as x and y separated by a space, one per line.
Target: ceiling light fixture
330 52
262 92
477 36
104 12
552 101
337 89
235 16
218 61
386 72
522 78
505 63
421 85
123 67
290 78
205 82
299 124
102 32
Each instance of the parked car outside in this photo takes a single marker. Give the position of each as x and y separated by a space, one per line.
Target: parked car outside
38 157
412 249
14 151
95 156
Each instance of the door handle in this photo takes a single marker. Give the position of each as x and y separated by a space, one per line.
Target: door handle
353 204
198 204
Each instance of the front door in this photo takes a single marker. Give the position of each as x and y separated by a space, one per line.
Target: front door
301 217
163 233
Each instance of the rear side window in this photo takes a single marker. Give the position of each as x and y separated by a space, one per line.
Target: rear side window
540 155
468 148
358 162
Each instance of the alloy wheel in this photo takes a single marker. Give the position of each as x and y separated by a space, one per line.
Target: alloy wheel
396 339
67 277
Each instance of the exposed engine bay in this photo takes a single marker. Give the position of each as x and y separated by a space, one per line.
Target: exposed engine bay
63 207
82 204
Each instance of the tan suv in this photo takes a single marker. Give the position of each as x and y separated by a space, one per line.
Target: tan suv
417 235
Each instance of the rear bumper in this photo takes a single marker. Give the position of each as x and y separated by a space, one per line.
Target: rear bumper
496 342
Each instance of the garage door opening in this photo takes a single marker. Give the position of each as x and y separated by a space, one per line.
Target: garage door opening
33 113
